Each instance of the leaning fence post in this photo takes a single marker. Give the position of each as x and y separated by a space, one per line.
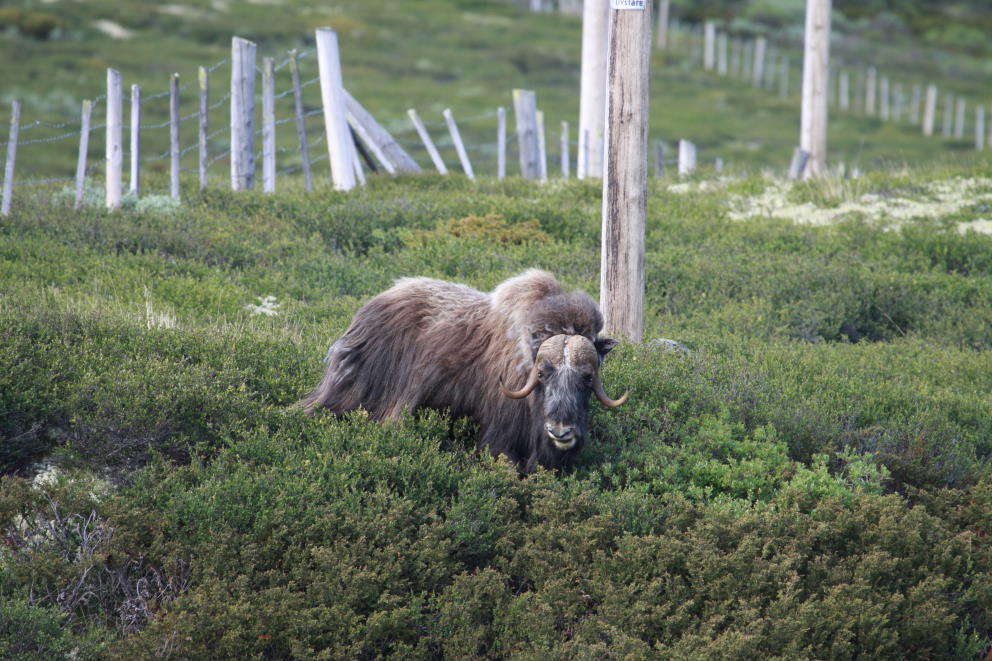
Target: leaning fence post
8 170
301 124
268 125
456 137
565 151
428 143
501 143
340 146
204 162
242 114
361 131
525 109
135 186
114 151
84 148
174 135
800 159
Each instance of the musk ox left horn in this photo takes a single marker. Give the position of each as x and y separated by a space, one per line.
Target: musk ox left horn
597 387
528 388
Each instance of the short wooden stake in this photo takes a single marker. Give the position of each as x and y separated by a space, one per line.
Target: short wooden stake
301 122
959 119
722 64
979 128
948 114
542 147
114 151
930 110
800 160
883 94
340 146
844 90
456 137
8 169
203 160
268 125
525 110
428 143
174 150
501 143
709 46
84 148
242 114
687 158
914 104
565 152
758 73
135 185
871 88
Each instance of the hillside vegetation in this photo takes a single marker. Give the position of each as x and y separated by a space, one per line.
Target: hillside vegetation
810 481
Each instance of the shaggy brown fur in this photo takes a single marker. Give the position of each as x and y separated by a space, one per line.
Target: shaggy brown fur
432 344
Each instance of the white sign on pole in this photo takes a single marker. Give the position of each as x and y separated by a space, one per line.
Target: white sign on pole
627 4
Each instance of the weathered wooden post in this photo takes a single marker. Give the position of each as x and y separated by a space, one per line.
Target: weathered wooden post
135 186
340 145
268 125
948 114
114 151
389 152
709 45
800 159
930 110
525 110
592 100
566 149
687 158
625 175
664 8
845 90
174 151
456 137
959 119
758 73
883 94
542 148
301 124
203 77
501 143
871 87
8 168
84 149
242 114
721 54
428 143
979 128
914 104
816 68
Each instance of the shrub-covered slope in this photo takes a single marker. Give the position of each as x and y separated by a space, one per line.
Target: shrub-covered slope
810 480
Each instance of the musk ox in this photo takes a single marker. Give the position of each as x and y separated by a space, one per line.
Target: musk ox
521 361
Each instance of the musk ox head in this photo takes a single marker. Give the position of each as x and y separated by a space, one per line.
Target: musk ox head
565 373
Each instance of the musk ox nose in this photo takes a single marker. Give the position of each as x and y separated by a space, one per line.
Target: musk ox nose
563 436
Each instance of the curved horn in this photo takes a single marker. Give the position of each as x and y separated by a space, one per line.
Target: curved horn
597 387
526 390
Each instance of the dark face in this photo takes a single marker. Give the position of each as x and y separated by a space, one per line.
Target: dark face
565 402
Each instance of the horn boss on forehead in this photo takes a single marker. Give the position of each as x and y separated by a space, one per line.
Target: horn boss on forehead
432 344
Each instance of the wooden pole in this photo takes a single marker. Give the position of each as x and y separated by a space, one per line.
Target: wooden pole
114 151
816 76
948 114
687 158
84 148
203 78
501 143
268 125
758 72
301 122
871 87
566 149
428 143
542 147
592 100
709 45
174 151
959 119
930 110
625 174
361 130
883 97
456 137
135 186
242 114
664 9
525 110
979 128
393 156
8 169
340 146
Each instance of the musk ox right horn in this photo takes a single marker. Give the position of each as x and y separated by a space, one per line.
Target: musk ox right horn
528 388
